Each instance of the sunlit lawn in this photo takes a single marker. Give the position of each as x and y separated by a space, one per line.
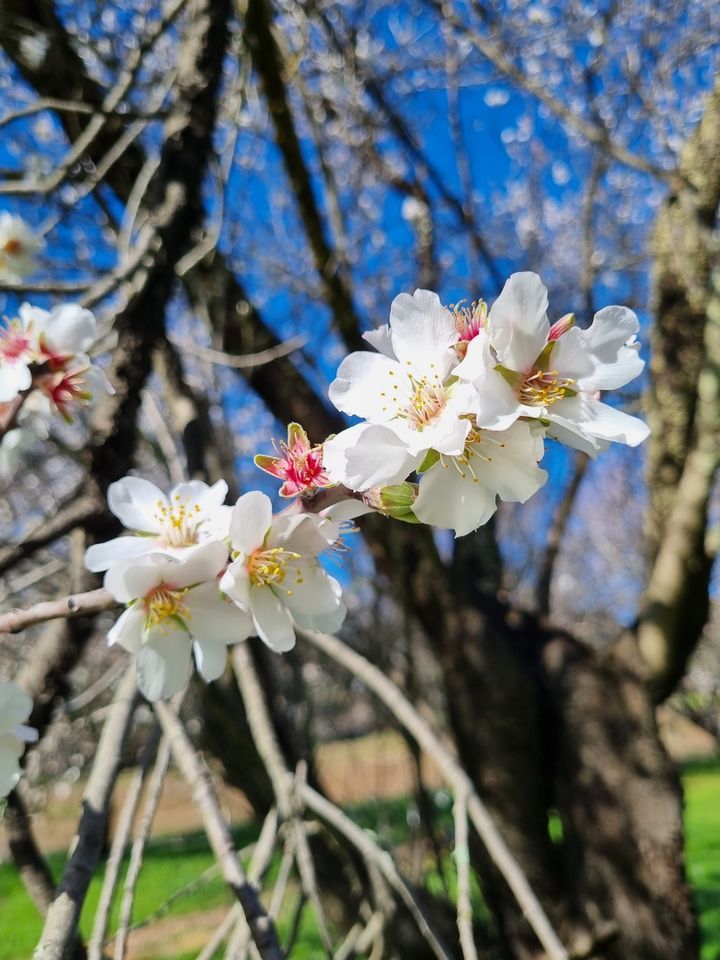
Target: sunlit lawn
178 877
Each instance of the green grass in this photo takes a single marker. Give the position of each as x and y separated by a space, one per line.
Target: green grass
180 870
702 829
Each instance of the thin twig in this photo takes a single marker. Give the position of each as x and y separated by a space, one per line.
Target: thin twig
117 848
462 864
456 777
196 773
142 833
260 724
245 362
64 913
364 843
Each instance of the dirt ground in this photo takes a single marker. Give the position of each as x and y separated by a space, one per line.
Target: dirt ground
377 766
351 771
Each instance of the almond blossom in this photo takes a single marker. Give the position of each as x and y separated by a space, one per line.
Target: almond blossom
408 386
523 367
18 247
50 350
460 493
173 524
175 610
15 708
275 575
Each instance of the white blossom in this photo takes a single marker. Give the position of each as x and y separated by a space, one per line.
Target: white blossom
523 367
407 387
18 248
460 493
15 708
176 609
174 523
50 348
275 575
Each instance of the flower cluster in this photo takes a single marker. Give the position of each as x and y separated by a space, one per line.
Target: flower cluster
197 576
465 397
49 350
15 708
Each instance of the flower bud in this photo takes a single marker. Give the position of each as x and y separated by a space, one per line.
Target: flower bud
397 501
561 326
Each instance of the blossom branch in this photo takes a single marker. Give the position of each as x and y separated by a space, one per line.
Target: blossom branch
76 605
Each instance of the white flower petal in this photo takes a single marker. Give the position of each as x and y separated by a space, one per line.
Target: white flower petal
235 582
609 341
200 563
137 504
14 378
11 748
250 521
310 590
596 419
128 629
70 328
381 340
272 620
163 665
214 618
101 556
368 455
210 659
570 357
325 622
300 532
448 500
507 462
574 438
518 321
135 578
446 434
364 385
423 331
197 492
96 383
216 525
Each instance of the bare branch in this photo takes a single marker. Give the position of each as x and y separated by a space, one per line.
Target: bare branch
456 777
76 605
142 833
117 848
64 913
247 361
218 833
556 533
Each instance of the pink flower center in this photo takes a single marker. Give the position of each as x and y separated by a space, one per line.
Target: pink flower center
14 344
64 388
469 321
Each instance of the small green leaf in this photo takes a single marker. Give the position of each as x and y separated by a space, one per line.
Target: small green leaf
431 458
